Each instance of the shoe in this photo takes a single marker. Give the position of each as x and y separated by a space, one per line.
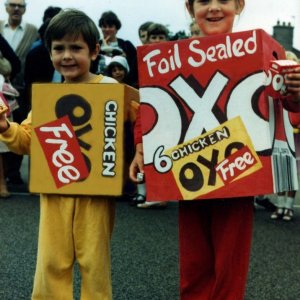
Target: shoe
4 195
156 204
137 199
277 214
266 204
288 215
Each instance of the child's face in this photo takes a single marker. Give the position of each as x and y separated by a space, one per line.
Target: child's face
109 32
118 73
156 38
215 16
143 36
72 58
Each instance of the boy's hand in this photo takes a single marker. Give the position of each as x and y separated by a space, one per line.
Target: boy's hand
292 81
137 164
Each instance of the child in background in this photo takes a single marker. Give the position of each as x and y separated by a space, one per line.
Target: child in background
111 45
214 235
286 200
71 227
143 32
156 33
118 69
10 65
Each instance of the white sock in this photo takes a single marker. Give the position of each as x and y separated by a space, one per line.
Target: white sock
141 189
289 203
280 201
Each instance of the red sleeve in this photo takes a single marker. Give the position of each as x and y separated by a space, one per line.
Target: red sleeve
138 129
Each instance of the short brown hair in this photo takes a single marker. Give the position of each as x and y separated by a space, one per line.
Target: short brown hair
157 29
109 18
74 23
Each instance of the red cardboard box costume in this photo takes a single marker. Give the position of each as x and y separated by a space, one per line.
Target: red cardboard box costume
192 93
192 87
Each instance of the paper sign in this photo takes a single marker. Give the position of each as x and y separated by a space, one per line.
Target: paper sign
62 151
211 161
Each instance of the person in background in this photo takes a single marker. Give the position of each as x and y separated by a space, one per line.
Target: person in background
111 45
20 35
156 33
214 235
49 13
143 32
118 69
38 65
285 200
72 228
10 65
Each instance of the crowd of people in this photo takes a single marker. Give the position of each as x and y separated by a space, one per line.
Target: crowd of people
209 231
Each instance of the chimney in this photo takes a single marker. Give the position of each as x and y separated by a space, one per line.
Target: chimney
284 34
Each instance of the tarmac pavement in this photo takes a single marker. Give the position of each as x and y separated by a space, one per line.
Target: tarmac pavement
145 253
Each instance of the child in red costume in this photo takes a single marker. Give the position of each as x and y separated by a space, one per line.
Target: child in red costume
215 235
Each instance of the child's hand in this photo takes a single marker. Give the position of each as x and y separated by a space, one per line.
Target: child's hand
105 40
137 164
292 81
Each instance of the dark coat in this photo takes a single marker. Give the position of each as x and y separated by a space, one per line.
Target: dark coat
11 56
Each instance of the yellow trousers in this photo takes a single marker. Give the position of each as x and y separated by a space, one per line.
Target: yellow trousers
74 228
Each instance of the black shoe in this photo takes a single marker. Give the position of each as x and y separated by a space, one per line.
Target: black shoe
266 204
137 199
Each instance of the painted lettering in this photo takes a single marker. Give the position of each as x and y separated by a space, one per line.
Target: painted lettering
110 133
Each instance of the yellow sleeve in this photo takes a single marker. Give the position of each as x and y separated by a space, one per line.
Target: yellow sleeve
18 136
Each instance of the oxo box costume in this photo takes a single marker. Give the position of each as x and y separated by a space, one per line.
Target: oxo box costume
210 126
78 141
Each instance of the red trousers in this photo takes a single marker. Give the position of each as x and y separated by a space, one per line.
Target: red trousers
214 248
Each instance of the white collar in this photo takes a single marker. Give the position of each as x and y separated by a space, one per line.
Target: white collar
21 26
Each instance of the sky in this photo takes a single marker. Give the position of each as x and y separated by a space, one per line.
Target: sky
262 14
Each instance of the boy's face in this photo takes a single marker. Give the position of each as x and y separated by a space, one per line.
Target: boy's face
72 58
156 38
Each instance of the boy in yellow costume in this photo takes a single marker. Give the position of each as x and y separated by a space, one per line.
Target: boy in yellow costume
71 227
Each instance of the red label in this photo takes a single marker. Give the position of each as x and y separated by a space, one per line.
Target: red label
236 164
62 151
